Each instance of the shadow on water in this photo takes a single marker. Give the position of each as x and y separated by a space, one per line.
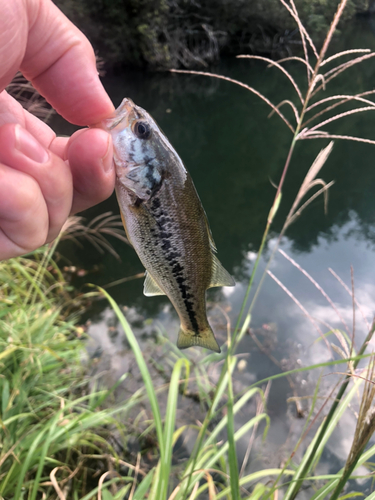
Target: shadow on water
234 153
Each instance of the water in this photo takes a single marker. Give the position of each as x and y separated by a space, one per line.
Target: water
235 153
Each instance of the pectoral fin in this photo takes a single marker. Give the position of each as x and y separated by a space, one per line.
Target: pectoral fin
124 224
220 276
150 287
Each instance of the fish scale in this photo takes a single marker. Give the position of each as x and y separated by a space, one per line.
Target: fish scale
165 221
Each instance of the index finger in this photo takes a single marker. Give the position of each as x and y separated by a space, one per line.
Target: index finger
60 63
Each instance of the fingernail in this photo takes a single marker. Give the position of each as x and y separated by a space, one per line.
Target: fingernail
29 146
107 163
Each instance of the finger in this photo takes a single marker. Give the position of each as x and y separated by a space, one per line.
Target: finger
90 158
13 39
21 151
11 111
58 146
60 63
23 213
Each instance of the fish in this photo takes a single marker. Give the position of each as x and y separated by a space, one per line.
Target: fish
165 221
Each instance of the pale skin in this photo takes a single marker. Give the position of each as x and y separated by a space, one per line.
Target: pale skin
44 178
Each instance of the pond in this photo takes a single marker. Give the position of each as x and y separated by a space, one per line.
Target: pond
235 154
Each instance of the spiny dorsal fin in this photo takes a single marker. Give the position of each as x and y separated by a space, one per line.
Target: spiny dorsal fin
150 287
220 276
210 237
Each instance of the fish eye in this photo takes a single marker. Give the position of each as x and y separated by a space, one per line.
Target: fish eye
142 130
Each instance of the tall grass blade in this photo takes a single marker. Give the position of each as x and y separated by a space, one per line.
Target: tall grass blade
29 458
142 489
232 452
170 418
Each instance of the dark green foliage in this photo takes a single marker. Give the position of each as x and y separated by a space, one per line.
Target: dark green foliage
186 33
123 31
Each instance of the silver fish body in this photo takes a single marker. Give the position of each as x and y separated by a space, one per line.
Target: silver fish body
165 221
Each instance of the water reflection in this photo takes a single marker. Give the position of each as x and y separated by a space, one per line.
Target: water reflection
282 328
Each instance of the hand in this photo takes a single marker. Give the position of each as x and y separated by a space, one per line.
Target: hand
44 178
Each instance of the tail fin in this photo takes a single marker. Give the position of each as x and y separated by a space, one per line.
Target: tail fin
205 338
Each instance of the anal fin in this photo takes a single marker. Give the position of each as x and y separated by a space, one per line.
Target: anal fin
220 276
150 287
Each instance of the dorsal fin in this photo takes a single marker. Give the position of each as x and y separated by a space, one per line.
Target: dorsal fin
220 276
210 237
150 287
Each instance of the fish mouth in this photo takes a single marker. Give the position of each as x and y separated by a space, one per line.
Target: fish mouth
124 112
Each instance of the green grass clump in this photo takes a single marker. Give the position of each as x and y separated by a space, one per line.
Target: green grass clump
49 417
56 432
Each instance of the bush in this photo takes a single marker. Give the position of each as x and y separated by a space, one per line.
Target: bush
162 34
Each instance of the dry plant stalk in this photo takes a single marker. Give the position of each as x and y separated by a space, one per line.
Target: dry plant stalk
55 484
365 427
23 91
308 183
354 299
303 309
318 287
261 403
366 418
96 231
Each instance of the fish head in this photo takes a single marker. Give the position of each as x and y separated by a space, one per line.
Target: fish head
141 151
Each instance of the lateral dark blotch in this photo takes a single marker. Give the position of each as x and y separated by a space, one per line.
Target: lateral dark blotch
164 236
162 221
166 245
150 176
155 204
177 269
192 315
189 305
172 255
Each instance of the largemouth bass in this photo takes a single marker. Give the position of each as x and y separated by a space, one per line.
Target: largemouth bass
165 221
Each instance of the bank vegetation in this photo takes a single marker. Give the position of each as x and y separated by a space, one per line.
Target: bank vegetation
164 34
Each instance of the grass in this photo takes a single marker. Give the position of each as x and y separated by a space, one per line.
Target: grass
54 427
56 430
60 436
